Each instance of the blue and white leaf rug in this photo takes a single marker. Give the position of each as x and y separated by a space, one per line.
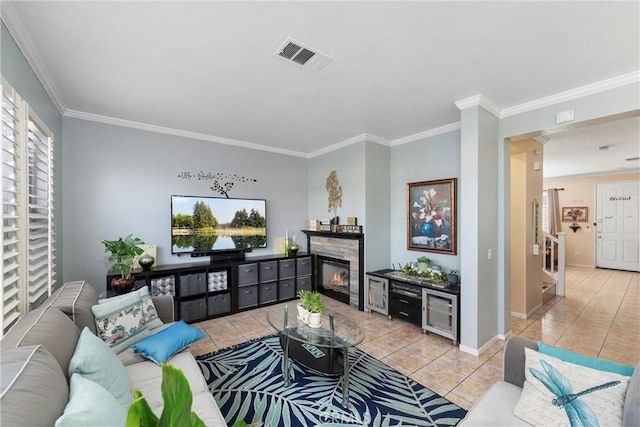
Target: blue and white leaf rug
247 383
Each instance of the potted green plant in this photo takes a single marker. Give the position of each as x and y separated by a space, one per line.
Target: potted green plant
122 253
316 308
453 276
423 263
303 311
177 397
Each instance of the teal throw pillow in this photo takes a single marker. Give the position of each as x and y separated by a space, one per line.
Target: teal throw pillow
583 360
95 361
151 318
120 323
91 405
163 345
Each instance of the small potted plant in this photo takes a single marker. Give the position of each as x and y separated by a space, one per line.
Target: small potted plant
315 305
453 276
423 263
123 252
302 306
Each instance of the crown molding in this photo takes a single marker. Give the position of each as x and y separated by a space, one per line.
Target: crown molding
426 134
178 132
13 23
363 137
479 100
576 93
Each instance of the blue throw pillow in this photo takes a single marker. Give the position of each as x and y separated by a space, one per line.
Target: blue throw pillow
583 360
163 345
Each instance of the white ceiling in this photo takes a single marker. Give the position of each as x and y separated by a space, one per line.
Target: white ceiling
207 68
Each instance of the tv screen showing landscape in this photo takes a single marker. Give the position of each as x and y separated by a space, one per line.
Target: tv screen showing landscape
209 224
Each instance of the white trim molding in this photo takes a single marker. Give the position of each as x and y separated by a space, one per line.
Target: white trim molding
13 23
363 137
426 134
178 132
478 352
479 100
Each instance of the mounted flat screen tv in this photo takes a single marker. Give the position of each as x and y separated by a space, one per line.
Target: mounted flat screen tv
202 225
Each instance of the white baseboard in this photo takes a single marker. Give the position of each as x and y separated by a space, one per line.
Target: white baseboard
505 336
581 265
518 315
478 352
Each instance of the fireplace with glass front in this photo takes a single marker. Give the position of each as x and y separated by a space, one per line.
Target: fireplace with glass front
333 277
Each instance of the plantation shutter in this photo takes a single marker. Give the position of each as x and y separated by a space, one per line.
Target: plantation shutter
40 240
12 248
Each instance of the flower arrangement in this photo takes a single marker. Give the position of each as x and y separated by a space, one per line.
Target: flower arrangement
430 214
425 274
575 213
335 193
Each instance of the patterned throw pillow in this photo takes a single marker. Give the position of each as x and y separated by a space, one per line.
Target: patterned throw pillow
151 318
121 323
591 397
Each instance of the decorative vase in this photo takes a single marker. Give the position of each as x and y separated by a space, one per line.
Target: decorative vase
303 314
146 261
122 286
422 266
452 278
294 248
315 320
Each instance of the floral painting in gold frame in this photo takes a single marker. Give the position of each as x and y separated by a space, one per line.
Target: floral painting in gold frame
431 216
575 214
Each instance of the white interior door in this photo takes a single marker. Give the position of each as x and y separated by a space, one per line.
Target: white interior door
618 225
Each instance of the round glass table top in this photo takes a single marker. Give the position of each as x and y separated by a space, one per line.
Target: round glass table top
345 331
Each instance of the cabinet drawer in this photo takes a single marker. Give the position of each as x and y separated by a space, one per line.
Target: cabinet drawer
247 274
268 292
219 304
406 308
268 271
193 284
287 289
193 310
304 266
247 296
304 283
287 268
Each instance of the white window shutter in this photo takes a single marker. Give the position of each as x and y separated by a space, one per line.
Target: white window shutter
27 249
12 248
40 240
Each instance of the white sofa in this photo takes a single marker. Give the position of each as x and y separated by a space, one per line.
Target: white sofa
37 350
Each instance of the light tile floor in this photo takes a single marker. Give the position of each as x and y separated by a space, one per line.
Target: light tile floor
600 316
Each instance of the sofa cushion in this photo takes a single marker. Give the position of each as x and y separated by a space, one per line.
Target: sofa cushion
151 318
495 407
31 379
631 415
75 299
91 405
121 323
163 345
584 360
548 377
129 357
147 378
95 361
49 327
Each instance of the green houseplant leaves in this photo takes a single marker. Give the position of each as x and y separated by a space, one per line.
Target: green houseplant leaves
177 398
122 253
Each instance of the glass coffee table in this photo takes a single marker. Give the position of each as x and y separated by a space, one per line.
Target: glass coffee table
324 349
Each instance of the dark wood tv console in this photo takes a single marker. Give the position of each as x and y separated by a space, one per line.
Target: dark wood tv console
219 288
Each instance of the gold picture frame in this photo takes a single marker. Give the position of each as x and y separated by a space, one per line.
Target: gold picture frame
575 214
431 216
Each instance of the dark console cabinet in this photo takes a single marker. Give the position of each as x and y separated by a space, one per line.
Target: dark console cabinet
202 291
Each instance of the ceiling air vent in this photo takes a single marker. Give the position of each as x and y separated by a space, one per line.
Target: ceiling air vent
307 57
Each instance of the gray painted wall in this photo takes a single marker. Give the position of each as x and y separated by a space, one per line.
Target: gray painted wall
16 70
119 181
377 211
437 157
349 164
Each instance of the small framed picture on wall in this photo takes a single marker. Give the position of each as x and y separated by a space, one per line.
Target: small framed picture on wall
575 214
431 216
